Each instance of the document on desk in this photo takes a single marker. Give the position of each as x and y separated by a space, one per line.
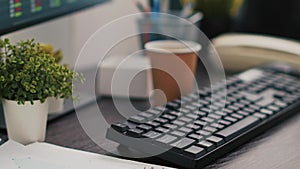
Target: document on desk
47 156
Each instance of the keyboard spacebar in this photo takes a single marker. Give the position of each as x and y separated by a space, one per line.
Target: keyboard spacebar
237 128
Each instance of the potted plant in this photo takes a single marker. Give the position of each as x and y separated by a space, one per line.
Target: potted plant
217 15
28 76
56 104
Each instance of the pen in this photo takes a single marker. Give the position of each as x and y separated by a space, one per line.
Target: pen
141 7
195 17
164 5
155 5
187 10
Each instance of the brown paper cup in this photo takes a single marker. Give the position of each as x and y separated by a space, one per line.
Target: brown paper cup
173 68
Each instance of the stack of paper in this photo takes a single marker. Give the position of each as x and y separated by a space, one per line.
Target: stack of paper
47 156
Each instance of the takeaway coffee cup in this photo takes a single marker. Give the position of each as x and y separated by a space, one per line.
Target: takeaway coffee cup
173 68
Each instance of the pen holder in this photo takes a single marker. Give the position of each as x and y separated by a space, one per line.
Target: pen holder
162 26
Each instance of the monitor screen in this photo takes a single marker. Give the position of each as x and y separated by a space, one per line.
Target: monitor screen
17 14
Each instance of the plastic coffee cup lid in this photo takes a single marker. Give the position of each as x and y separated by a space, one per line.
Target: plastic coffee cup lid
173 46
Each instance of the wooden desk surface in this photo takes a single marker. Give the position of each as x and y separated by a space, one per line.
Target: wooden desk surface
278 147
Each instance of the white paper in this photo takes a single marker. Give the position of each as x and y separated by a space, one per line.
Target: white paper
48 156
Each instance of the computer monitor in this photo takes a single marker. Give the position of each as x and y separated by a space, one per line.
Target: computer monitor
18 14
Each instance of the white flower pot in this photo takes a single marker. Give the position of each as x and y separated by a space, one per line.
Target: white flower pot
25 123
56 105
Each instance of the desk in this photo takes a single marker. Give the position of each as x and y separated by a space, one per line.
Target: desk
276 148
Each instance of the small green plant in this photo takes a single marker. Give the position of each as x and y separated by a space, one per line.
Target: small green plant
27 73
57 54
218 8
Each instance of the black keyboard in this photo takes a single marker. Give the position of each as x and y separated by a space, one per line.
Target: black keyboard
196 129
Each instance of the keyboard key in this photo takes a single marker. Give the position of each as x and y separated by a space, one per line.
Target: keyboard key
231 119
224 122
151 134
193 126
237 116
192 116
206 110
214 107
228 111
146 115
259 115
161 120
182 143
137 119
153 123
200 113
144 127
265 102
168 117
175 113
170 126
198 105
155 112
195 136
207 145
216 125
237 128
185 130
166 139
231 99
251 96
177 101
245 102
203 132
244 113
162 130
200 122
214 116
203 102
207 119
273 108
183 110
190 107
178 122
185 119
134 132
220 113
216 140
280 104
120 127
194 96
178 133
173 105
219 104
160 108
186 98
210 129
234 108
265 111
249 110
195 151
254 107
